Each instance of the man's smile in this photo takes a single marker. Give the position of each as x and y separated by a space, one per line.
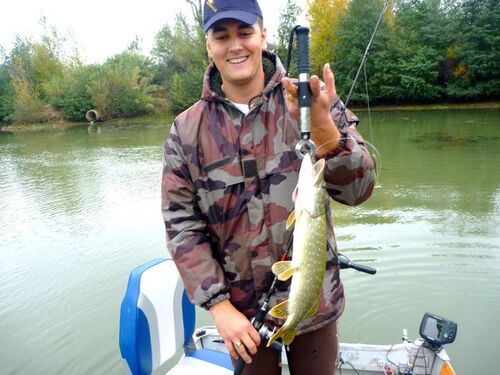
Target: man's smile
238 60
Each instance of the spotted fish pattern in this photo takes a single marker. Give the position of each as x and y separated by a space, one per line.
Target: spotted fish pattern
307 267
226 195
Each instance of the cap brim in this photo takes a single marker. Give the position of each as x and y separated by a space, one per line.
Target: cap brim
246 17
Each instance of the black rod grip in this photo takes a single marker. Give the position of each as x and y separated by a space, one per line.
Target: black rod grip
362 268
240 366
345 262
303 49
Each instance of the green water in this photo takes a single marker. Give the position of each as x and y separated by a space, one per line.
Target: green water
80 207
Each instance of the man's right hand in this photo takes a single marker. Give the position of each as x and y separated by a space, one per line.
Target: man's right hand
239 335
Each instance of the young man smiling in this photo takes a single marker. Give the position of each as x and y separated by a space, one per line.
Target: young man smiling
230 169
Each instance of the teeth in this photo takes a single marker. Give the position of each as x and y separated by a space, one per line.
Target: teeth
237 60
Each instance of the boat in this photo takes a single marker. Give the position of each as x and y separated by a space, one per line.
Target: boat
157 322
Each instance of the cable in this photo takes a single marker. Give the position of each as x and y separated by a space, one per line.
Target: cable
348 363
415 360
290 47
388 360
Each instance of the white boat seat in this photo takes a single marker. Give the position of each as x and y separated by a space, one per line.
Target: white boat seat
157 320
204 361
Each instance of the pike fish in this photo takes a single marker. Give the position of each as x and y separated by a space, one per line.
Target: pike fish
309 251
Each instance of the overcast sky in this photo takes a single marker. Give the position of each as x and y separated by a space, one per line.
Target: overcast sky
103 28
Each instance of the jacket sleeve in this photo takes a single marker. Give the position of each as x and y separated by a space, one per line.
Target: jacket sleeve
350 169
187 235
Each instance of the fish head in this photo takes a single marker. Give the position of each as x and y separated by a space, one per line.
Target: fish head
310 185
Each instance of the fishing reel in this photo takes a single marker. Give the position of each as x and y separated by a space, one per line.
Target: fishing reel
266 333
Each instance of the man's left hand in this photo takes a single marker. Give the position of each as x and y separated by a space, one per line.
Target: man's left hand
324 133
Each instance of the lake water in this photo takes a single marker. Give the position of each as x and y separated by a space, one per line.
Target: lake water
80 207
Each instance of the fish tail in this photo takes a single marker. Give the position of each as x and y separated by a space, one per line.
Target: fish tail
287 335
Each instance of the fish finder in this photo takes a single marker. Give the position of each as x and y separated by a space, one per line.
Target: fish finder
437 331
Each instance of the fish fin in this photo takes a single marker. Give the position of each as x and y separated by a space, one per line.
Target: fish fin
295 193
319 168
291 220
280 310
283 269
312 311
287 335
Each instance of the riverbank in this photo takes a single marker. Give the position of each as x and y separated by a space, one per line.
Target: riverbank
167 118
155 119
432 107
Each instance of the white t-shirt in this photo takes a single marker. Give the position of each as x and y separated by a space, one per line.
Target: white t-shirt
242 107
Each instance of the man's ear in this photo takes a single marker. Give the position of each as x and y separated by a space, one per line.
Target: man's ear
264 38
207 45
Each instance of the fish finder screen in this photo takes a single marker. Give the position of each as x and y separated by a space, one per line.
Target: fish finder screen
434 328
437 330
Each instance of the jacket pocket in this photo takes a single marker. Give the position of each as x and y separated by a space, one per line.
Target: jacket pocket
220 190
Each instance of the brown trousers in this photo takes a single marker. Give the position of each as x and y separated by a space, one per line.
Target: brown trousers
313 353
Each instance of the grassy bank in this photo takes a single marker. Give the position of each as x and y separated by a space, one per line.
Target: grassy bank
154 119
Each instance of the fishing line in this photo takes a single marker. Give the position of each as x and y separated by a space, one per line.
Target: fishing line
374 152
368 103
386 4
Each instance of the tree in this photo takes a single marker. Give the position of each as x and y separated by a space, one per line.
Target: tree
354 32
324 18
288 19
181 58
119 88
477 74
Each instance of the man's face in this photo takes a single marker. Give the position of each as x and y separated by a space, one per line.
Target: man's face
236 49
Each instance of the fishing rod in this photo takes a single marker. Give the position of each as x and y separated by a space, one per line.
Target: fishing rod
303 147
258 320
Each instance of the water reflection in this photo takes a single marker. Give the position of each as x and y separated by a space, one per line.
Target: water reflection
79 208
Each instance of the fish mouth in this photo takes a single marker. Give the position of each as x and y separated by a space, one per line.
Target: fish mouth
238 60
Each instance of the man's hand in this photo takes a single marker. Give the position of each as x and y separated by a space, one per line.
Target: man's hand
238 333
324 133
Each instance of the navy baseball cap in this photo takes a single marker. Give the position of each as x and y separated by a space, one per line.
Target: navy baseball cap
247 11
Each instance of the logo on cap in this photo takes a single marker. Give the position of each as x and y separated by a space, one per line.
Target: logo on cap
210 3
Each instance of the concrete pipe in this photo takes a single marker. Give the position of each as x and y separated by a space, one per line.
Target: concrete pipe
93 115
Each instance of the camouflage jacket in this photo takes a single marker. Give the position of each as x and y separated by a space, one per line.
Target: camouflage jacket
226 194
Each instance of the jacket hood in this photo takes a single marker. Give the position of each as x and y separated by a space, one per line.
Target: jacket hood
273 72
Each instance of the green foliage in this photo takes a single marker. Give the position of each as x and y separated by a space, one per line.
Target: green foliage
185 88
6 91
479 50
288 19
425 51
324 18
181 60
119 87
71 94
353 36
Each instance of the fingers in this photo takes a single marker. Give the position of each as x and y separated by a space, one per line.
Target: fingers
290 88
329 79
243 348
328 88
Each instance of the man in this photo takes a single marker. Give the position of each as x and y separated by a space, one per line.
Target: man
230 169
